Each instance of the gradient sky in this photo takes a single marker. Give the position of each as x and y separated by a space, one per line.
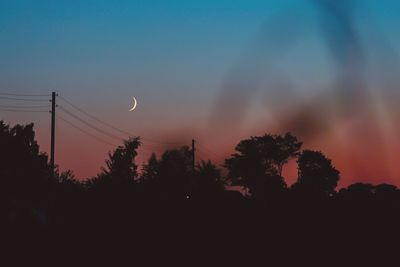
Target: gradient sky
178 57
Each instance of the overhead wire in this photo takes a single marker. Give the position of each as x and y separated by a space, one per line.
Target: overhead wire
23 99
210 155
204 156
93 117
89 124
90 134
84 131
25 95
13 106
114 127
22 110
207 156
208 151
35 109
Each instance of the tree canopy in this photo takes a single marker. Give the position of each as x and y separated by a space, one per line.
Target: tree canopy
317 175
258 162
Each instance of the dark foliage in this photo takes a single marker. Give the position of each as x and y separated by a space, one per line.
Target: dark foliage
172 210
258 163
317 176
121 171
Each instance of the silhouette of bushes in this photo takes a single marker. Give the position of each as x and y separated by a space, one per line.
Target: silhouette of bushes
169 200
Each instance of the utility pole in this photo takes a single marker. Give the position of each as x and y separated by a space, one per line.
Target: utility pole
190 185
193 155
53 131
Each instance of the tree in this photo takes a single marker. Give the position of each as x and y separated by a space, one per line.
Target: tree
150 170
258 162
362 192
316 174
121 169
285 148
24 170
208 180
121 163
171 176
26 180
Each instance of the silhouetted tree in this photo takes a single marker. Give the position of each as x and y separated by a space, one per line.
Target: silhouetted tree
150 170
387 192
258 163
362 192
69 198
316 174
69 183
121 170
26 181
285 148
24 171
357 191
208 180
172 175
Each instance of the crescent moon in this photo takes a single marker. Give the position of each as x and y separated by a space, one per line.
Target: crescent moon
134 104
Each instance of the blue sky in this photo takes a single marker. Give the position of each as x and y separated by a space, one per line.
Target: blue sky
121 43
174 56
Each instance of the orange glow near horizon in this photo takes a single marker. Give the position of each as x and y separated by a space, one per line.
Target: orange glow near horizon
367 158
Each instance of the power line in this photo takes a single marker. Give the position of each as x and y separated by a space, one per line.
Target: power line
23 99
163 143
21 110
101 130
32 95
92 135
211 156
202 152
208 151
11 106
142 147
89 124
114 127
93 117
85 132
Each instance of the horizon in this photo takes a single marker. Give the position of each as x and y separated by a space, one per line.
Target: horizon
216 72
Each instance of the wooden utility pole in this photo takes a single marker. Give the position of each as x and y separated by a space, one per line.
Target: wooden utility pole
193 155
53 131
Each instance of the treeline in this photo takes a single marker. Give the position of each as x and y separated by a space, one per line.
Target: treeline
256 165
170 196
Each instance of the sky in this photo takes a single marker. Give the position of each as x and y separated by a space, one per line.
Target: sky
215 71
